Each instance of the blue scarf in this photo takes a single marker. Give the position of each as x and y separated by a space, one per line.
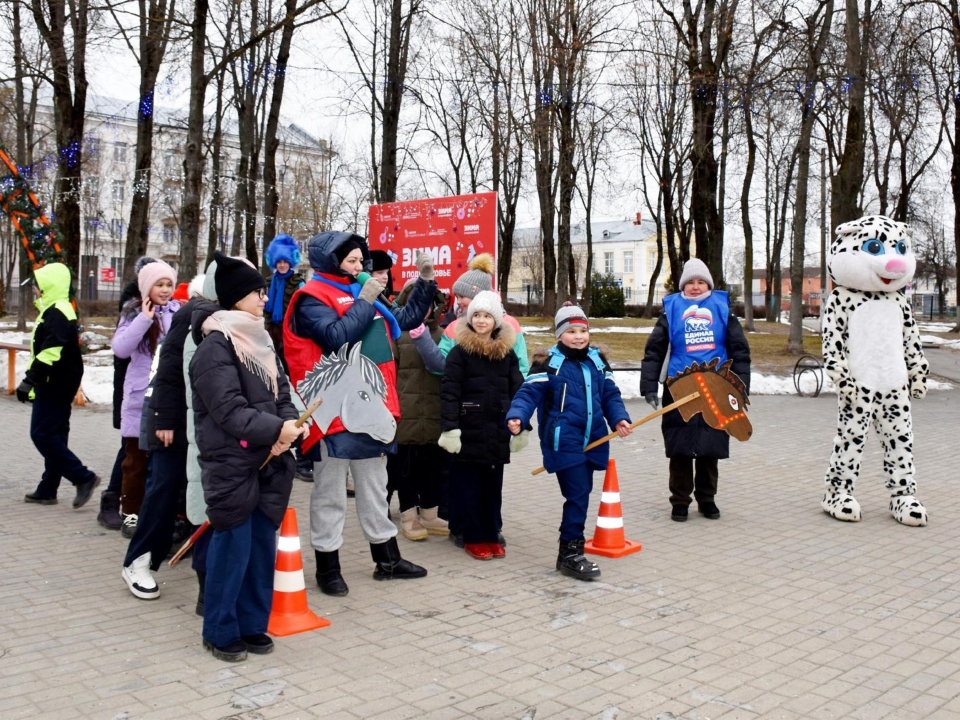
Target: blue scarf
354 289
274 305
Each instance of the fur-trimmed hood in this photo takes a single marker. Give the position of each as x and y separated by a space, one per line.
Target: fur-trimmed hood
496 348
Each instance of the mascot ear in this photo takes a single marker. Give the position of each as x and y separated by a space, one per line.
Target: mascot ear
902 227
849 228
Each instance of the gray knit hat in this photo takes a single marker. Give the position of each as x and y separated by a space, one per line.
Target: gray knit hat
477 279
489 302
694 268
569 316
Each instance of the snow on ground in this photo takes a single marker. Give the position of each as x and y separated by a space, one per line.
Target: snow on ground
940 342
548 330
936 327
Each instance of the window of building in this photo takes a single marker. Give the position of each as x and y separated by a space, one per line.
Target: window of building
117 264
118 191
91 224
169 233
628 293
91 188
116 228
608 262
628 261
120 152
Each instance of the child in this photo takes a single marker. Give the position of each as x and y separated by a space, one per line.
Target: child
143 325
51 382
241 400
481 376
283 257
572 388
673 345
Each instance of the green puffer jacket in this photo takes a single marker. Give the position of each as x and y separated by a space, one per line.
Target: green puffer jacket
419 392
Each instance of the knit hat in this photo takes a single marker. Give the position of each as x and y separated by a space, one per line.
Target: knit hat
210 282
477 279
141 261
152 273
345 249
195 289
694 268
235 278
381 260
489 302
282 247
182 293
569 316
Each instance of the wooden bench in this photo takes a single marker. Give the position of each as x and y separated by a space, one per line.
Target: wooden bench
12 350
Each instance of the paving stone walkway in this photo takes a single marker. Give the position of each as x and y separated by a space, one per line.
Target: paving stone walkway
774 611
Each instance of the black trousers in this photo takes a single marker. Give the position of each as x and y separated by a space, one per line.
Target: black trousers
158 512
50 432
116 475
477 492
415 474
683 480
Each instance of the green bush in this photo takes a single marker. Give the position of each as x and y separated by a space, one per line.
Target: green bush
607 298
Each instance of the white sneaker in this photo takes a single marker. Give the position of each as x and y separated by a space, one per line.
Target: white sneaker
139 579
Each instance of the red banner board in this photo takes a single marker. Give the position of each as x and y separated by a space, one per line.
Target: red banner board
452 229
108 274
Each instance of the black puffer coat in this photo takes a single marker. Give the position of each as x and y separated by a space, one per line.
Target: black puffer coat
479 382
237 421
694 438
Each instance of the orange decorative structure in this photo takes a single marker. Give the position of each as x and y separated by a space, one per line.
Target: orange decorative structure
609 539
723 397
290 614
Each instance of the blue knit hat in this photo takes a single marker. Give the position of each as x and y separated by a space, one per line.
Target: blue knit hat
283 247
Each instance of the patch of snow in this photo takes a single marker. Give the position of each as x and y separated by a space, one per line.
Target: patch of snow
935 327
940 342
628 330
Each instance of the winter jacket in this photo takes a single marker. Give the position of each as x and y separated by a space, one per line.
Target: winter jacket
479 381
419 391
56 366
237 421
323 316
694 438
449 339
572 392
168 403
293 283
130 291
196 505
128 343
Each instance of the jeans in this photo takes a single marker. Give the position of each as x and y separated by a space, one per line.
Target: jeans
50 432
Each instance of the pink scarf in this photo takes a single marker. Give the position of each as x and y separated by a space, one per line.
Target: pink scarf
250 341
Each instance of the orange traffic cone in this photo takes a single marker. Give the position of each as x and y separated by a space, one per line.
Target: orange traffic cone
290 614
609 540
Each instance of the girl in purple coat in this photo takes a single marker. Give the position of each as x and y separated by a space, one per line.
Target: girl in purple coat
143 325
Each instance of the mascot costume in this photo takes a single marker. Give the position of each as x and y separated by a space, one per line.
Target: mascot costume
872 352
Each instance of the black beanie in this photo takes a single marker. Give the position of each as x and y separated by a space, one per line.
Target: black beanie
381 260
345 249
235 279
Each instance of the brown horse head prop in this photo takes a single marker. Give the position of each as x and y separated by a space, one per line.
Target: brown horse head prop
723 397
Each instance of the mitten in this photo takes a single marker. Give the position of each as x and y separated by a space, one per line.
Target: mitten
450 441
918 387
425 266
371 290
519 442
653 400
418 331
24 389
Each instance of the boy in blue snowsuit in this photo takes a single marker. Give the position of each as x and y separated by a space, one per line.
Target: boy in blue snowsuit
571 386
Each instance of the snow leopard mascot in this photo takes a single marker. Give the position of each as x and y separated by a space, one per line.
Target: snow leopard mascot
872 352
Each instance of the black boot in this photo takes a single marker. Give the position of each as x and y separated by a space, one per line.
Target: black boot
571 561
109 515
390 566
202 579
304 469
328 573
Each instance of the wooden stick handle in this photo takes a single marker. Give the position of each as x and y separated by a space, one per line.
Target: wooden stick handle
189 543
299 423
638 423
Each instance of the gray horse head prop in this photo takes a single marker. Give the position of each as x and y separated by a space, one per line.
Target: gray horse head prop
353 389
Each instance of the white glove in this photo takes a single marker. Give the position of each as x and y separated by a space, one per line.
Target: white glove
519 442
450 441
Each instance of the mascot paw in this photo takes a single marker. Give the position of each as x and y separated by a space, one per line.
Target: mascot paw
907 510
842 507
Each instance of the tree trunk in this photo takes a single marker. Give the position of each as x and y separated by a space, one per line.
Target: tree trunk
193 154
745 211
18 67
215 213
398 50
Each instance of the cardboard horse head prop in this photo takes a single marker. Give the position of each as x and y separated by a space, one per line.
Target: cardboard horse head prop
723 397
353 389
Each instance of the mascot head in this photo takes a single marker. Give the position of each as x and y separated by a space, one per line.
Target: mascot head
872 253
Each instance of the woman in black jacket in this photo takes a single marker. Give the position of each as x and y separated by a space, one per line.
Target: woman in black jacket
241 400
480 378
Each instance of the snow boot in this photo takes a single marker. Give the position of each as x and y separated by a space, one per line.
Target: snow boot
259 644
139 580
109 515
572 563
410 525
390 566
328 575
202 579
431 520
304 469
84 491
129 528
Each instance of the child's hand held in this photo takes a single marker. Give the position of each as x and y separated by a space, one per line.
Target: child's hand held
514 426
289 432
624 429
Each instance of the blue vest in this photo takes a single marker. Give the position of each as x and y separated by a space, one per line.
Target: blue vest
698 329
